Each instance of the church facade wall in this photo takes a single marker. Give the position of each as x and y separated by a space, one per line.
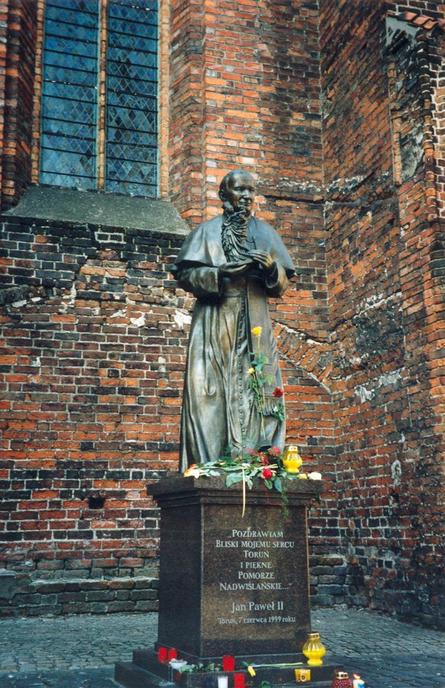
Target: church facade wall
382 213
309 96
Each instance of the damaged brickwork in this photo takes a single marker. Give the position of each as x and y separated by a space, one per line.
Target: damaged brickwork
385 305
95 335
337 107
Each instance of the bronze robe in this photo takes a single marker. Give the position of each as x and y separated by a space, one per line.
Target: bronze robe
218 410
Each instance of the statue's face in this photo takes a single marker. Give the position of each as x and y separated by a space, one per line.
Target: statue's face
241 191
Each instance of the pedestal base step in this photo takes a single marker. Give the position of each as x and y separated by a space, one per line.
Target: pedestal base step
146 672
131 675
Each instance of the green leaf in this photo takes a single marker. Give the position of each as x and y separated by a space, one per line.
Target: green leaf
278 411
233 478
278 485
268 484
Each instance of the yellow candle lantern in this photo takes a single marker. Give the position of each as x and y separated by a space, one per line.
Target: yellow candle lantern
302 675
292 460
314 650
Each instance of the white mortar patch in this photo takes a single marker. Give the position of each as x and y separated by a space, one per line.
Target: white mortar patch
138 322
396 472
182 319
368 392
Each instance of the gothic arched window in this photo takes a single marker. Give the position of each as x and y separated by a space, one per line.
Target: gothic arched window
99 95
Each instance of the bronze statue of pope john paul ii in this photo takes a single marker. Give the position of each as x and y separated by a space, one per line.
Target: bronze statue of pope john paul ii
231 264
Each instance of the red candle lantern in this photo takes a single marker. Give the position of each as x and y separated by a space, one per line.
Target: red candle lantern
172 653
239 680
341 680
228 663
162 655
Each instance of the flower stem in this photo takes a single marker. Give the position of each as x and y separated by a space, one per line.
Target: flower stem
244 493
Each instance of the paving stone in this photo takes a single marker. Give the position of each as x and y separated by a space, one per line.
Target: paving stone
80 651
90 678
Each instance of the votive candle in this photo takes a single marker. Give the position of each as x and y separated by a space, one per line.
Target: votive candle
223 682
239 680
162 654
228 663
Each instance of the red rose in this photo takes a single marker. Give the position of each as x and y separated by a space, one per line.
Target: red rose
264 459
274 451
277 393
267 473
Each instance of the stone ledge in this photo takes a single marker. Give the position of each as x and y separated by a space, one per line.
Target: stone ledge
79 596
175 486
98 208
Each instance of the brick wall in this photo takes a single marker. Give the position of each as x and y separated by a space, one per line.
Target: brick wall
18 26
111 432
91 365
338 109
91 368
3 32
384 304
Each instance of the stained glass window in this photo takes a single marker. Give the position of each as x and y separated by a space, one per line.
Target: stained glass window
78 82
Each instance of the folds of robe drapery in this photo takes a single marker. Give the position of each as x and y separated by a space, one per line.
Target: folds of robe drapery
218 411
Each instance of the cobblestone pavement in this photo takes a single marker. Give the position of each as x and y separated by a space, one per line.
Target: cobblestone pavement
385 652
80 651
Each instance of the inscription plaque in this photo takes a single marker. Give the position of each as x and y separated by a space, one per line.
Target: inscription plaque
230 584
255 579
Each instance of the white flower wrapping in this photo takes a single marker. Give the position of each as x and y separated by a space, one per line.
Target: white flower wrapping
314 475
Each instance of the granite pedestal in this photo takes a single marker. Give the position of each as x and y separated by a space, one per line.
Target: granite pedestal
230 584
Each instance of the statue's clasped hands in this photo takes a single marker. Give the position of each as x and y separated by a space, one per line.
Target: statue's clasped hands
263 258
235 269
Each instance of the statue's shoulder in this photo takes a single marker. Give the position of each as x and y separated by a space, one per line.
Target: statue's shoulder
264 226
265 231
210 228
203 245
204 232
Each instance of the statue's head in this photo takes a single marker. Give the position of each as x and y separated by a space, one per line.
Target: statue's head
237 191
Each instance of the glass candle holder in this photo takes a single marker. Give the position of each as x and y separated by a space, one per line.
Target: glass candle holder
302 675
223 682
341 680
239 680
314 650
228 663
162 654
292 460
